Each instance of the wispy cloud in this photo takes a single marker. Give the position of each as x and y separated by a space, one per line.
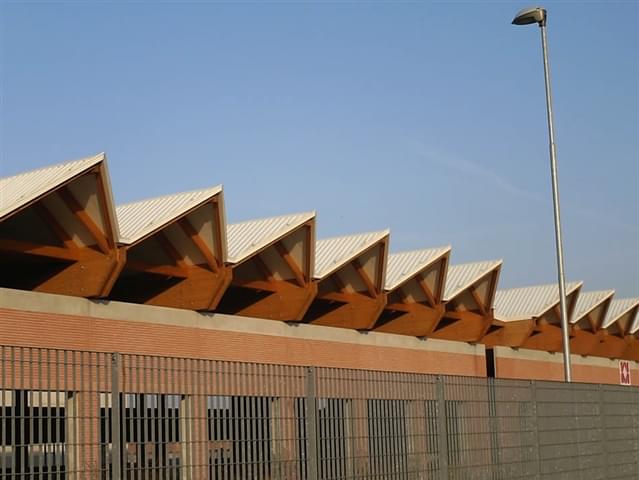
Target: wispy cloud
478 171
475 170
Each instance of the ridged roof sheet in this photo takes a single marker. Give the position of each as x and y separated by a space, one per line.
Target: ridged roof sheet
139 219
402 266
333 253
588 301
20 190
634 329
618 308
528 302
462 276
247 238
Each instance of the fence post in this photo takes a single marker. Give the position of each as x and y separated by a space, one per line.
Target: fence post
535 428
116 439
442 433
311 424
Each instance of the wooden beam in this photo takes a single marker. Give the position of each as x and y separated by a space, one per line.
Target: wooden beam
546 337
289 302
557 311
582 342
200 290
508 334
381 266
402 294
18 246
104 209
417 319
218 225
170 249
290 262
355 311
199 243
83 217
429 295
337 280
309 251
478 301
343 297
263 285
54 226
263 268
441 283
463 326
166 270
370 288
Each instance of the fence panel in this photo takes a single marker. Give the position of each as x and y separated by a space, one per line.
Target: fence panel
90 415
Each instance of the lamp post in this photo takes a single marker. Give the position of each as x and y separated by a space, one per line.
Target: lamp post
526 17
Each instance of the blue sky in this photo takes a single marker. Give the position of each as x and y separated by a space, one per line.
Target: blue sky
427 118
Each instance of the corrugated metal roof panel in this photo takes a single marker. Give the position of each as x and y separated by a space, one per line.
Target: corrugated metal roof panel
19 190
139 219
247 238
635 326
588 301
462 276
528 302
404 265
618 308
333 253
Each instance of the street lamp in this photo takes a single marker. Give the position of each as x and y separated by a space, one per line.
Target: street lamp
526 17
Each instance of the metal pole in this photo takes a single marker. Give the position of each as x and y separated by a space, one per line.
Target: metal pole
555 199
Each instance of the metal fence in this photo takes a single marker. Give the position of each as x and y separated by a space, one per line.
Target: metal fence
88 415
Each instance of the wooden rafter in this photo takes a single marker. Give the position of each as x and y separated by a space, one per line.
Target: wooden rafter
51 223
402 294
381 264
276 301
416 319
290 262
169 249
478 300
427 291
464 326
199 243
591 322
85 219
263 268
217 231
19 246
370 288
104 208
337 280
310 253
349 310
557 311
166 270
263 285
441 278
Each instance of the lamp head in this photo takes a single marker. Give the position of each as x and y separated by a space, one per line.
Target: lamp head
531 15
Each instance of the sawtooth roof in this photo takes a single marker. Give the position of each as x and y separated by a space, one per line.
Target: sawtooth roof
402 266
528 302
333 253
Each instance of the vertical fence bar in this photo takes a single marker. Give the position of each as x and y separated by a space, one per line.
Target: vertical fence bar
442 437
535 421
602 423
116 446
311 424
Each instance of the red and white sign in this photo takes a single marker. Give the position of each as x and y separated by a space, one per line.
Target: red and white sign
624 373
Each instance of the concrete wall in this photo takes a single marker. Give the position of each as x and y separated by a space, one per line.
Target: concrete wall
533 364
55 321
